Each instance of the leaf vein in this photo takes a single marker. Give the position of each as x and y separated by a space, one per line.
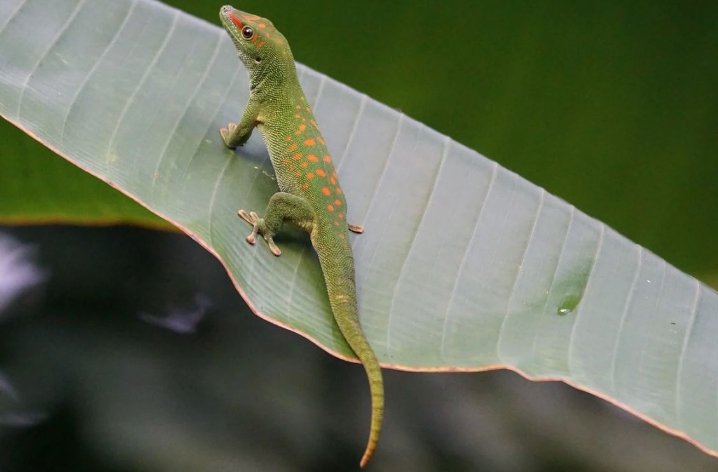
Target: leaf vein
25 85
624 315
437 174
85 81
682 356
520 270
452 297
145 75
171 134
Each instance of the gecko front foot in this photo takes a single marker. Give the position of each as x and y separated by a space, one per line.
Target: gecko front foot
258 226
226 132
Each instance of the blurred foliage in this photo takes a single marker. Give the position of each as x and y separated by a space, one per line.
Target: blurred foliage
108 391
62 197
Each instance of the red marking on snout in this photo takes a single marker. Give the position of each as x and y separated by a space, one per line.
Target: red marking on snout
233 18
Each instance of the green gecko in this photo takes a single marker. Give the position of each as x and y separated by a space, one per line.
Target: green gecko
309 193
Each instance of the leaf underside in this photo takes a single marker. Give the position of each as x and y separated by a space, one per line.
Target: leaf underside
463 266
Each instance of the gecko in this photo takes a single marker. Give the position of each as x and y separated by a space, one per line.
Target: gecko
309 194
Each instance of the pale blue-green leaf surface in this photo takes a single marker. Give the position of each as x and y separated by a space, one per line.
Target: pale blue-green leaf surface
463 265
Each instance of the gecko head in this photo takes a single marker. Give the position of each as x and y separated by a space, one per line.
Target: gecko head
256 39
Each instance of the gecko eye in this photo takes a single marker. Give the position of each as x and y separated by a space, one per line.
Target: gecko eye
247 32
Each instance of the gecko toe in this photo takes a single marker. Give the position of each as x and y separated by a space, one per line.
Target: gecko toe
273 247
248 218
356 228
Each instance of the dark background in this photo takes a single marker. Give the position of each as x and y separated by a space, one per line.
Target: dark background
611 106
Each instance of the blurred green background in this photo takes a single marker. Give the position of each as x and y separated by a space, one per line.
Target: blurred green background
612 106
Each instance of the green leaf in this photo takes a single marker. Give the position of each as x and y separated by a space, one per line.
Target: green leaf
463 266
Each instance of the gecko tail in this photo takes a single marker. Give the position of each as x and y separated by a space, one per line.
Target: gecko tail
377 412
338 269
351 329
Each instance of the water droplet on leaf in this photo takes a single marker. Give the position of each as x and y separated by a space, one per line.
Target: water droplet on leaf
568 305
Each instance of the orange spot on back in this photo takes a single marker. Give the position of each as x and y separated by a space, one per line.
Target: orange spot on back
341 216
333 180
262 25
339 191
338 202
293 147
288 138
304 165
301 129
321 140
309 142
297 156
327 158
297 173
260 44
305 186
336 223
342 236
299 107
321 173
312 158
326 191
310 175
330 208
297 115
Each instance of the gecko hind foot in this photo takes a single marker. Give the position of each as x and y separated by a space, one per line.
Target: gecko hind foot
258 227
355 228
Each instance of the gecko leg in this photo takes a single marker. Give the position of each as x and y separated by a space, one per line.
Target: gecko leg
235 135
283 207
